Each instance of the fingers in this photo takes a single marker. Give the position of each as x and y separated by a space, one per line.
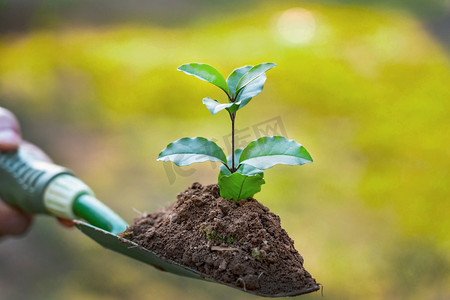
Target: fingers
34 152
9 131
65 222
13 221
10 136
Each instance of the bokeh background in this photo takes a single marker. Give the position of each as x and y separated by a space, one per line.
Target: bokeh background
363 85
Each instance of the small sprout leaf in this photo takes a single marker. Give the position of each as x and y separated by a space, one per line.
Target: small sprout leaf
253 73
205 72
233 108
237 186
246 94
250 90
234 77
214 106
266 152
243 183
186 151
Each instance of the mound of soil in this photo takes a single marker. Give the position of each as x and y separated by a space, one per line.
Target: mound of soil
241 244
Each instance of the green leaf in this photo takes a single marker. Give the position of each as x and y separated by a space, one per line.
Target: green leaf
244 97
266 152
234 77
214 106
237 186
186 151
205 72
253 73
243 183
251 90
241 96
233 108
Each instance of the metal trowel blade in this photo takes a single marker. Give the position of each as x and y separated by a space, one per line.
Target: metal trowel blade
131 249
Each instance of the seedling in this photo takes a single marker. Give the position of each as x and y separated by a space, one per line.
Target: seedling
242 173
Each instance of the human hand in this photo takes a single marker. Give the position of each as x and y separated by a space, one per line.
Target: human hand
12 220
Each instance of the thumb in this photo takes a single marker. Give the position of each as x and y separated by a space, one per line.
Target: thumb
12 221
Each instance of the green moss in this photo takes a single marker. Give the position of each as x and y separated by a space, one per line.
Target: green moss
212 235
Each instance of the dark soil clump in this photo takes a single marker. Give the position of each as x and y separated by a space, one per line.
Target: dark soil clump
241 244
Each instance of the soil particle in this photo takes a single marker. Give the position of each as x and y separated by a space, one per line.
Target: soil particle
241 243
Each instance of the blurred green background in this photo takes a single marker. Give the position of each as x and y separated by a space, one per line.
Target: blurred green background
363 85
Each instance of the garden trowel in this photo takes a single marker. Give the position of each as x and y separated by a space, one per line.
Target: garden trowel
44 188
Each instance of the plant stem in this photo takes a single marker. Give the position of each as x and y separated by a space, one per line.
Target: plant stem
233 117
228 168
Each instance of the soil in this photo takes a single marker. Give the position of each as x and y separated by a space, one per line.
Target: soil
240 244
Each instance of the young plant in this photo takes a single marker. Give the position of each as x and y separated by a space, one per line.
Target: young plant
242 172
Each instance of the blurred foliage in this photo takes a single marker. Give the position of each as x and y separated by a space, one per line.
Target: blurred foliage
367 95
25 14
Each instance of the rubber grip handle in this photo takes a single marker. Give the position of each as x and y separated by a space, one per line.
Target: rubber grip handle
23 180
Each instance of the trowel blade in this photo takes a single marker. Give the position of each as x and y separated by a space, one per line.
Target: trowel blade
131 249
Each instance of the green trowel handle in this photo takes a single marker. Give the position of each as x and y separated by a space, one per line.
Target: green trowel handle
23 180
43 188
